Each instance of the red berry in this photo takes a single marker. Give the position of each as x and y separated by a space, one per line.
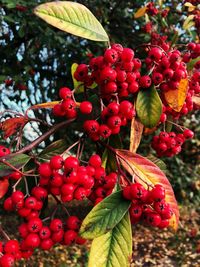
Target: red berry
32 240
104 131
11 247
155 53
110 56
91 126
65 92
56 162
30 203
127 193
69 237
188 133
135 211
7 260
56 225
145 81
95 161
86 107
73 223
34 225
80 193
17 196
71 163
137 191
153 219
4 151
127 55
158 193
45 169
46 244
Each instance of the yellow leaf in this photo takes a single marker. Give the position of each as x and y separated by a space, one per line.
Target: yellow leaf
176 98
136 134
140 13
146 172
188 23
190 6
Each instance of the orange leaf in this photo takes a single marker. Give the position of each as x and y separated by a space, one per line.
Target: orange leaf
140 12
176 98
4 184
12 125
146 172
136 134
44 105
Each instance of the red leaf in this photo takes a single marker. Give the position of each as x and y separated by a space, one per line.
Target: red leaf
146 172
12 125
4 184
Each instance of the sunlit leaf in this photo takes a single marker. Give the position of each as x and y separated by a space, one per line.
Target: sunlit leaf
188 23
176 98
146 172
4 184
190 6
73 18
149 107
113 248
136 134
104 216
140 12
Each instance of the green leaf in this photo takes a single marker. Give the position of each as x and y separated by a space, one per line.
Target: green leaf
149 107
104 216
113 248
73 18
191 63
16 160
55 148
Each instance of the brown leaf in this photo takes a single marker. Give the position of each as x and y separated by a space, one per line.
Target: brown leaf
136 134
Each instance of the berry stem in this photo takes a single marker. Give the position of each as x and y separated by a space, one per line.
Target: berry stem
60 203
4 233
43 137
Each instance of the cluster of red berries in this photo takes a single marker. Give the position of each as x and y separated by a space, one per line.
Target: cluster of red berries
148 205
69 180
168 68
68 107
35 234
151 9
26 207
116 72
169 144
113 117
